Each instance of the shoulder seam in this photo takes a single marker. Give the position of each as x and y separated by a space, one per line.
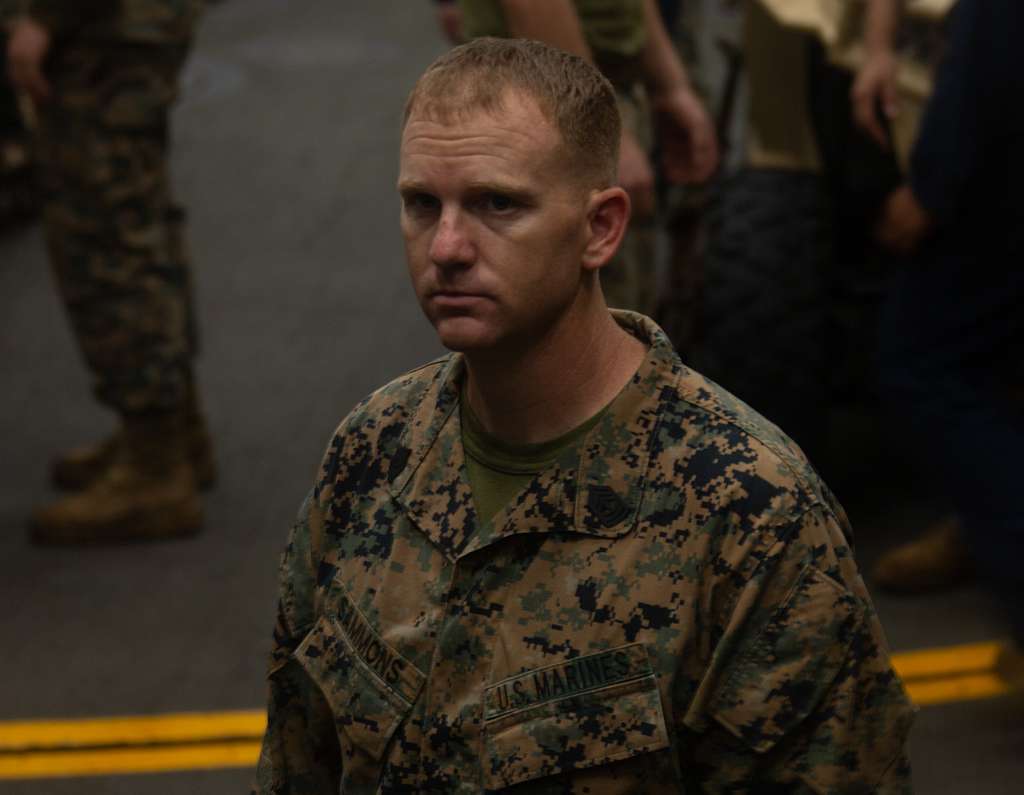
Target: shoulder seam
798 476
793 519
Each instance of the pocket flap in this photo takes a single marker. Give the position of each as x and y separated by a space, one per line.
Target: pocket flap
577 714
778 680
367 705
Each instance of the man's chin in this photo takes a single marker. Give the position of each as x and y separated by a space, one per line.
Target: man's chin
464 334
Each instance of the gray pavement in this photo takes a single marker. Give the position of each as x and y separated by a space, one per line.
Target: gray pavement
286 156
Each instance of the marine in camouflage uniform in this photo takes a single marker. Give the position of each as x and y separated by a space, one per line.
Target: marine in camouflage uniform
616 34
675 605
115 236
671 604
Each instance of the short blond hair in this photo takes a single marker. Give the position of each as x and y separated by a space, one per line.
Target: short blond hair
573 95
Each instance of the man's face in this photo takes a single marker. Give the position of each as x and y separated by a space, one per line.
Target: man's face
494 225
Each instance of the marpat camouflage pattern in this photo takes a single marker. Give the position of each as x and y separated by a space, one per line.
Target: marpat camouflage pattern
114 231
672 608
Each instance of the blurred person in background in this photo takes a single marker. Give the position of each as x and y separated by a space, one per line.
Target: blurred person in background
627 40
953 331
939 557
875 92
18 195
102 76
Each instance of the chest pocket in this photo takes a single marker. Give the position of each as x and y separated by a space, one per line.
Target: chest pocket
369 687
574 715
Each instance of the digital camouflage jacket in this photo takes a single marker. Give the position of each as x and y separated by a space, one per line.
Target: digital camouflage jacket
672 608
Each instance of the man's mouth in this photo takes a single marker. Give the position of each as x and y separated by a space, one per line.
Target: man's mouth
456 299
444 294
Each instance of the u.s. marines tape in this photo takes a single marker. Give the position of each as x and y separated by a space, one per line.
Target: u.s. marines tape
566 679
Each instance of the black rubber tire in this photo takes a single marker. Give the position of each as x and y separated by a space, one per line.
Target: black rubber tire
775 283
765 304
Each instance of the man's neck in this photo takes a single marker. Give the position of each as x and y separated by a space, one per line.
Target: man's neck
551 387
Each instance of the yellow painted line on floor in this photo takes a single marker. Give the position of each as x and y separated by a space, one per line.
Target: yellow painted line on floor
185 727
947 661
969 687
123 761
215 740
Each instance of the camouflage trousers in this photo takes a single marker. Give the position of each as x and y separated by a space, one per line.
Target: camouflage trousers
115 235
629 281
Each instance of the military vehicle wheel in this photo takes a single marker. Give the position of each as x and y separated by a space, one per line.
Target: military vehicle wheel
765 303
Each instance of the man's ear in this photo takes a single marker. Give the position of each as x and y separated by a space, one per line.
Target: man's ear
607 219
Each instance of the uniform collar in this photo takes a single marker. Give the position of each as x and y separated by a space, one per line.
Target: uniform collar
597 491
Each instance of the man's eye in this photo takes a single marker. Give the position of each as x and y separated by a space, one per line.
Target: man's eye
498 203
421 202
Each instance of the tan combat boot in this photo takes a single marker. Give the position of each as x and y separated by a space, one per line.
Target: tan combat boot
81 466
938 559
148 491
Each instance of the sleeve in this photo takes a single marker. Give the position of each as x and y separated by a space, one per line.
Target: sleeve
952 138
300 754
801 695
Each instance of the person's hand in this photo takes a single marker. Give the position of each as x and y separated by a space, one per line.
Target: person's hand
636 175
903 223
449 18
27 46
874 87
687 136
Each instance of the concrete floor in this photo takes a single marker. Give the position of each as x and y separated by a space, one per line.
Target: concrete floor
286 156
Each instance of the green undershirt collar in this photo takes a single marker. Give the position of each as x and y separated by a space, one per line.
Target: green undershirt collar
498 470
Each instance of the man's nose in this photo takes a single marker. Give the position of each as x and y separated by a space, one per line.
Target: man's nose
451 245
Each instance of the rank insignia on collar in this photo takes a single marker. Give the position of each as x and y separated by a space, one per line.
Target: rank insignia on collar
606 505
